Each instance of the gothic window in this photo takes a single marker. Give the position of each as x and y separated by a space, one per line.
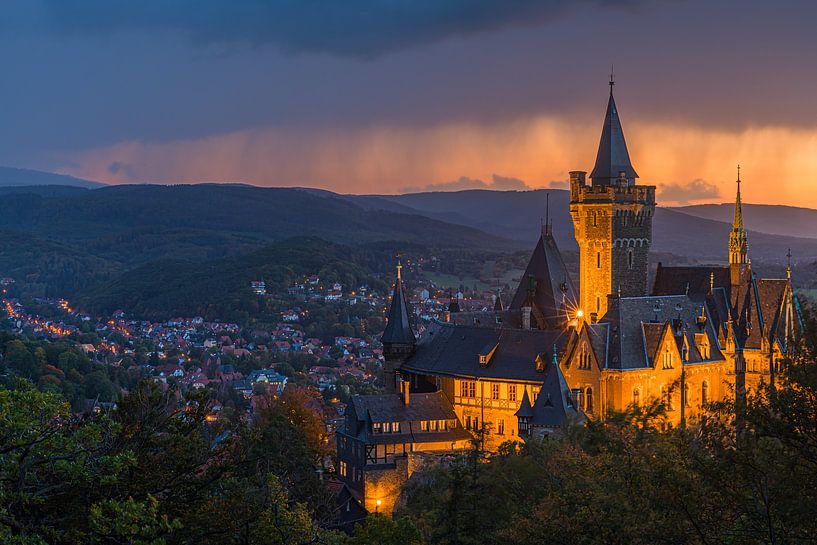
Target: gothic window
598 304
595 219
636 396
704 393
667 358
685 395
598 260
494 391
584 358
512 392
630 259
588 400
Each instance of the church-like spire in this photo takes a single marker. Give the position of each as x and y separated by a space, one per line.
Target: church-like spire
398 329
738 241
613 164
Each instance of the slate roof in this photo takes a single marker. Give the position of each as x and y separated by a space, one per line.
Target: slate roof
453 350
553 404
553 289
692 281
612 156
390 408
398 328
636 323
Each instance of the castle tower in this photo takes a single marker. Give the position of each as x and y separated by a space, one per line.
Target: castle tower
612 219
398 338
738 243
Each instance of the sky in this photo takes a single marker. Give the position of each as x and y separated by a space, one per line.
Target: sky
389 96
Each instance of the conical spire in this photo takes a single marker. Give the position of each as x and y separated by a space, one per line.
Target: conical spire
398 329
613 159
737 223
738 241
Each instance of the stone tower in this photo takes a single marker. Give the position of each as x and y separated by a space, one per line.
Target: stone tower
612 219
398 338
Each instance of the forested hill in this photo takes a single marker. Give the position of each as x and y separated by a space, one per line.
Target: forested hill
61 240
220 289
136 224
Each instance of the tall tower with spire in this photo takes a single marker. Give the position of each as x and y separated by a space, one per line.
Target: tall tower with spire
612 220
738 242
398 338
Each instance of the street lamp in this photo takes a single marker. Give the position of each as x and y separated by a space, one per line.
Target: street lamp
377 506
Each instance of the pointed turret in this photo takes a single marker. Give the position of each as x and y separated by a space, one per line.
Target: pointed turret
398 329
398 338
738 243
546 286
613 164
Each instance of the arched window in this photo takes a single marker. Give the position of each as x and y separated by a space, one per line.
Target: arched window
636 396
584 357
588 400
667 358
685 395
704 393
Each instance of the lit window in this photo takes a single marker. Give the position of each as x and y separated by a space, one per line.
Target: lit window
376 427
342 469
424 425
433 424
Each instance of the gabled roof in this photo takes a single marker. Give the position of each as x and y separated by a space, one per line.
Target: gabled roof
637 325
398 329
612 157
552 290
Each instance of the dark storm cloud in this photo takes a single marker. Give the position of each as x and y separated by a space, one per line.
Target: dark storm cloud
360 28
696 190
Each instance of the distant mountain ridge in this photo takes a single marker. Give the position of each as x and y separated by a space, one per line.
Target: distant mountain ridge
769 218
16 177
519 215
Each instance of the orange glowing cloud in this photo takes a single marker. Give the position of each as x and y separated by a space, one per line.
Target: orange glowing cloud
689 164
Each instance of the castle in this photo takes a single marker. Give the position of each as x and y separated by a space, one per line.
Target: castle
557 354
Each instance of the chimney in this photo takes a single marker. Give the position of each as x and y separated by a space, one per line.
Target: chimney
526 317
